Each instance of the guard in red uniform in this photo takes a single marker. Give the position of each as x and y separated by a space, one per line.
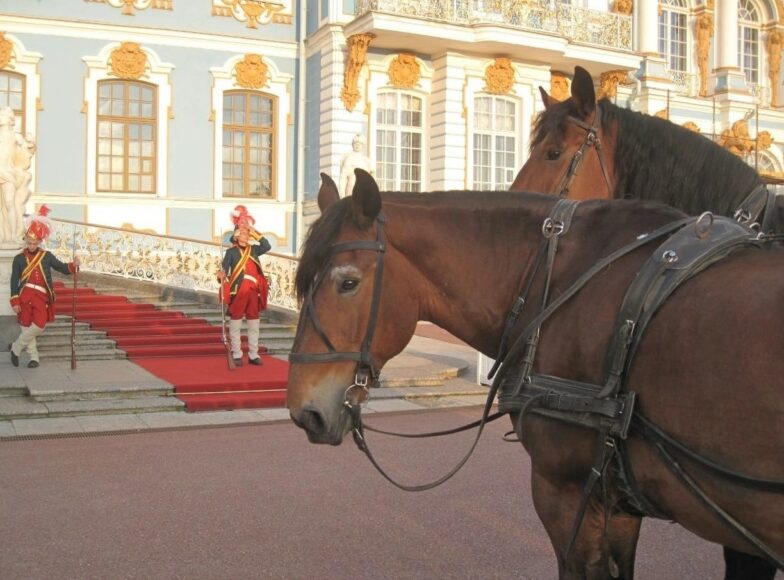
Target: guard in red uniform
245 287
32 297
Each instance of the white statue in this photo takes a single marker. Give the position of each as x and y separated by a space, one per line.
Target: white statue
355 159
16 153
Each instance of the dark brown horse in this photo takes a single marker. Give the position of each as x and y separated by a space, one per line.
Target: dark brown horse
708 371
638 156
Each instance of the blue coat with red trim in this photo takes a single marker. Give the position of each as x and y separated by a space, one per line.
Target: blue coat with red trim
48 262
232 259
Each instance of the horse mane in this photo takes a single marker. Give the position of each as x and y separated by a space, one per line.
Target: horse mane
318 245
700 175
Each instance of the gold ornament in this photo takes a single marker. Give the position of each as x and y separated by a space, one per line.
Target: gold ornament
663 114
623 6
356 58
404 71
559 85
499 76
691 126
251 72
6 51
608 83
128 61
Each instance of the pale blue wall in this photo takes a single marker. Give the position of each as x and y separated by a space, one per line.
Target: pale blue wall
74 213
312 125
190 223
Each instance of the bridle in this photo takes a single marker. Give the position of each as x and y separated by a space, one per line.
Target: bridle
366 372
591 140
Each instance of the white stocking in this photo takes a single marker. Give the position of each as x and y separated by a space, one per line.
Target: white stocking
235 338
253 339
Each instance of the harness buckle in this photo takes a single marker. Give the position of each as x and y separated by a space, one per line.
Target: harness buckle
551 227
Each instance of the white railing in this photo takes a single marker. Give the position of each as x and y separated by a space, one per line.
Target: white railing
583 25
176 262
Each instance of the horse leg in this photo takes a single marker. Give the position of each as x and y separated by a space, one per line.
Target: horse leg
742 566
623 531
592 556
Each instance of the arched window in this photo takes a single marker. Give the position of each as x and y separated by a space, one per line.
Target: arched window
126 128
749 40
249 144
399 135
672 33
12 94
494 142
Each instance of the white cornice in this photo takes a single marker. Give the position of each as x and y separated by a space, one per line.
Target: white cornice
144 35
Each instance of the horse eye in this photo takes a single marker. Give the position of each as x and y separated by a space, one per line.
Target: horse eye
553 154
348 285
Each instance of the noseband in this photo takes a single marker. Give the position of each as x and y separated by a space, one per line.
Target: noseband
366 373
591 140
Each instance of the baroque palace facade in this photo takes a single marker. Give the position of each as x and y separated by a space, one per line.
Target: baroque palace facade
162 115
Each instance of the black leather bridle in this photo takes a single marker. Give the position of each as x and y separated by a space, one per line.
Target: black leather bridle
366 373
591 140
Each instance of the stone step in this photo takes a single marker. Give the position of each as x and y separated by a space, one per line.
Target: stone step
49 343
60 354
84 333
29 408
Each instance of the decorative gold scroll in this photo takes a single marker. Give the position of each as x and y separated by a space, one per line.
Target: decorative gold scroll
6 51
128 6
773 45
252 12
559 85
355 59
623 6
128 61
704 33
499 76
608 83
404 71
737 140
691 126
251 72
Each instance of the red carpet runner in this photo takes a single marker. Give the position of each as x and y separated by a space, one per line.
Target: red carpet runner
186 352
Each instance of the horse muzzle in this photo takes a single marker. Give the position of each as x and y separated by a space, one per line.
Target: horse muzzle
319 427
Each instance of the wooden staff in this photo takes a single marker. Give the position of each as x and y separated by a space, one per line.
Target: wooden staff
226 344
73 300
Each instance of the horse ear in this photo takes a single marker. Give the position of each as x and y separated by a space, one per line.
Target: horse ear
328 193
365 199
583 93
547 99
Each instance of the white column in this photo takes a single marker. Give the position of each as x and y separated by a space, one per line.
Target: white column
447 124
726 40
647 12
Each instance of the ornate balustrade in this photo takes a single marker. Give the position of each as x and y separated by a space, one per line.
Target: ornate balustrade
170 261
581 25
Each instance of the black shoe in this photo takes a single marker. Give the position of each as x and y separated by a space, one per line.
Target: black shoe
33 364
14 358
238 362
256 361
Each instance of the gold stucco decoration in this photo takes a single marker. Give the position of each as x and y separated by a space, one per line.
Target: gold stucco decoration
704 31
404 71
623 6
128 61
251 72
691 126
499 76
663 114
737 140
6 51
559 85
128 6
773 45
356 58
608 83
251 12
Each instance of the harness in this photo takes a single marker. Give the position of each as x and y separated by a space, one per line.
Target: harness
591 140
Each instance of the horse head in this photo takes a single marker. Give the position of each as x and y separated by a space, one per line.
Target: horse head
564 134
358 310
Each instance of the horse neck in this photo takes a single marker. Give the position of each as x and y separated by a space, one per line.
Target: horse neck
466 253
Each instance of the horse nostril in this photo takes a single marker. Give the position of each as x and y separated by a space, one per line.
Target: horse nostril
312 421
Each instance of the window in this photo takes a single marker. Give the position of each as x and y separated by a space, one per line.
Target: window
127 117
248 144
748 40
672 33
494 142
12 95
399 134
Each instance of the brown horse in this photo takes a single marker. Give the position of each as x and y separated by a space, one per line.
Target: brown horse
632 155
642 157
707 371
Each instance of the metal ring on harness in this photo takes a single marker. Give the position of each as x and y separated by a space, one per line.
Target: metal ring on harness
551 227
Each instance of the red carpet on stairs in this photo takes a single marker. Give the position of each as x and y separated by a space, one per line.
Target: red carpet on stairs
186 352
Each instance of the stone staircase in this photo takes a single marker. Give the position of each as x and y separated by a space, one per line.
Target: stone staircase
277 329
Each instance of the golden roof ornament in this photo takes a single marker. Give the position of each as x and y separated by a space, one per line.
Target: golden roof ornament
6 51
499 76
251 72
128 61
404 71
